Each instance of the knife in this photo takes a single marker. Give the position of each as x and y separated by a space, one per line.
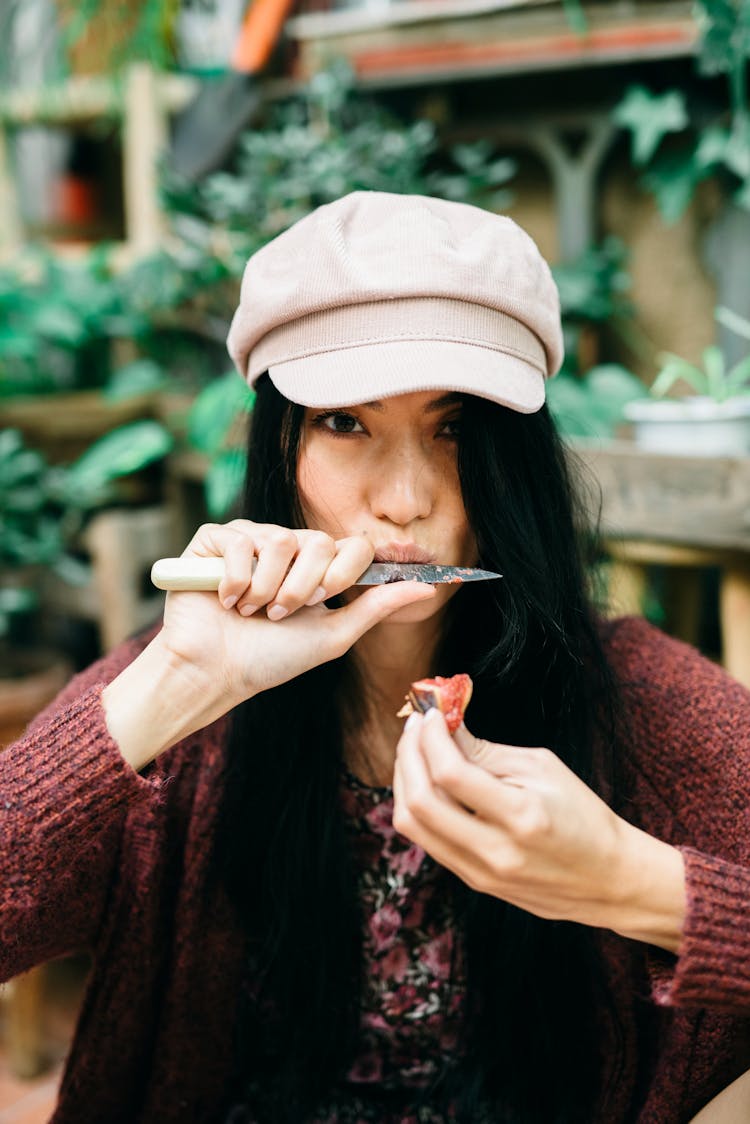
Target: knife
205 573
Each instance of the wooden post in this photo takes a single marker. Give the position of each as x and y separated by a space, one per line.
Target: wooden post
27 1056
734 611
143 141
123 545
11 232
684 603
628 582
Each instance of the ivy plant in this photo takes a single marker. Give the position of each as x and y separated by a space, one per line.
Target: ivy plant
720 145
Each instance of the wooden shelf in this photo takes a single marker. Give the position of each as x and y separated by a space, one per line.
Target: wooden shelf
320 25
481 40
83 100
140 103
701 503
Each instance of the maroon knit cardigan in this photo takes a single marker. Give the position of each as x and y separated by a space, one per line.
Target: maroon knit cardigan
96 856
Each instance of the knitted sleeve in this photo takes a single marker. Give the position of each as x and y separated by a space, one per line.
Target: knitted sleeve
689 750
64 791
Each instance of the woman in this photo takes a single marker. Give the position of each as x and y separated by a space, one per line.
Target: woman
300 911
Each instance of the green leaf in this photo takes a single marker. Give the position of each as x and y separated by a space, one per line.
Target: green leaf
673 179
612 387
575 16
730 148
140 377
713 365
592 406
737 154
215 409
674 369
11 442
17 599
73 570
739 375
60 324
732 320
224 481
725 35
649 117
22 467
126 449
574 413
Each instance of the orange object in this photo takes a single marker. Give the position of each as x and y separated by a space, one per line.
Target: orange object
259 33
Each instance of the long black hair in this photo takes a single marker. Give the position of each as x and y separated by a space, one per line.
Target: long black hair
536 990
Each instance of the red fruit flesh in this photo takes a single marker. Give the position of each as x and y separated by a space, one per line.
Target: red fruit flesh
451 696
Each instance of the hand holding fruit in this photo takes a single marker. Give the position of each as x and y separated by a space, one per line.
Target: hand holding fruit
517 823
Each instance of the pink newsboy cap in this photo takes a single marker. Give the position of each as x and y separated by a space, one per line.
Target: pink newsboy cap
378 294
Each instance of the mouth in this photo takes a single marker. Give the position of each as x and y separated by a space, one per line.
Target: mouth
403 552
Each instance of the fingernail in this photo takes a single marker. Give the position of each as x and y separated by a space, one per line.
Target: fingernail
412 720
432 714
276 612
230 602
248 610
319 595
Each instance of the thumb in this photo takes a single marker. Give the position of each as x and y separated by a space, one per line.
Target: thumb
354 619
509 762
477 750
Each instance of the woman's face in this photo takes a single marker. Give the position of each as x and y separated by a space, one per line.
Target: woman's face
388 469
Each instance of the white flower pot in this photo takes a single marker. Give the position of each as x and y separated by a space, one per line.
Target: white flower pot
696 426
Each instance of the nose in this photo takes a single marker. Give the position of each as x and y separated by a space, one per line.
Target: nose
404 489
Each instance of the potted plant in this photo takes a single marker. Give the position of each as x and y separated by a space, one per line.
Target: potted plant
715 420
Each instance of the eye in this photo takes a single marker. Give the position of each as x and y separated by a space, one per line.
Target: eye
451 427
338 423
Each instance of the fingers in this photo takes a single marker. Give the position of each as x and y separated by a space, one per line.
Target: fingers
433 819
322 568
237 547
353 555
470 784
280 568
289 570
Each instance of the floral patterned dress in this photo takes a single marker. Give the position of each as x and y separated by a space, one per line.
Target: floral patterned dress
413 974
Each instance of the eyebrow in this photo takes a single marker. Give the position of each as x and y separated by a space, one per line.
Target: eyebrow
451 399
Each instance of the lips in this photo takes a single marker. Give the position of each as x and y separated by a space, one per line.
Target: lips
403 552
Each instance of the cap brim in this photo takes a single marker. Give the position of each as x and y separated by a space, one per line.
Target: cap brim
352 375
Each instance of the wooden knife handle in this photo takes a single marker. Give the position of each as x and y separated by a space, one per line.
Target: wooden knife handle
188 573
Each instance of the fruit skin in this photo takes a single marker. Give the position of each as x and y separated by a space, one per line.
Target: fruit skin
449 695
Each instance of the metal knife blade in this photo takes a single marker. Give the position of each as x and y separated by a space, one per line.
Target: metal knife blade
199 574
382 573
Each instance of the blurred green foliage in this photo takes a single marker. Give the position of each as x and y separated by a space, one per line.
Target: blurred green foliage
325 141
43 507
716 147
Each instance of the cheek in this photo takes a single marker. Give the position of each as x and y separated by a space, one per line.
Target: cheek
324 492
466 539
